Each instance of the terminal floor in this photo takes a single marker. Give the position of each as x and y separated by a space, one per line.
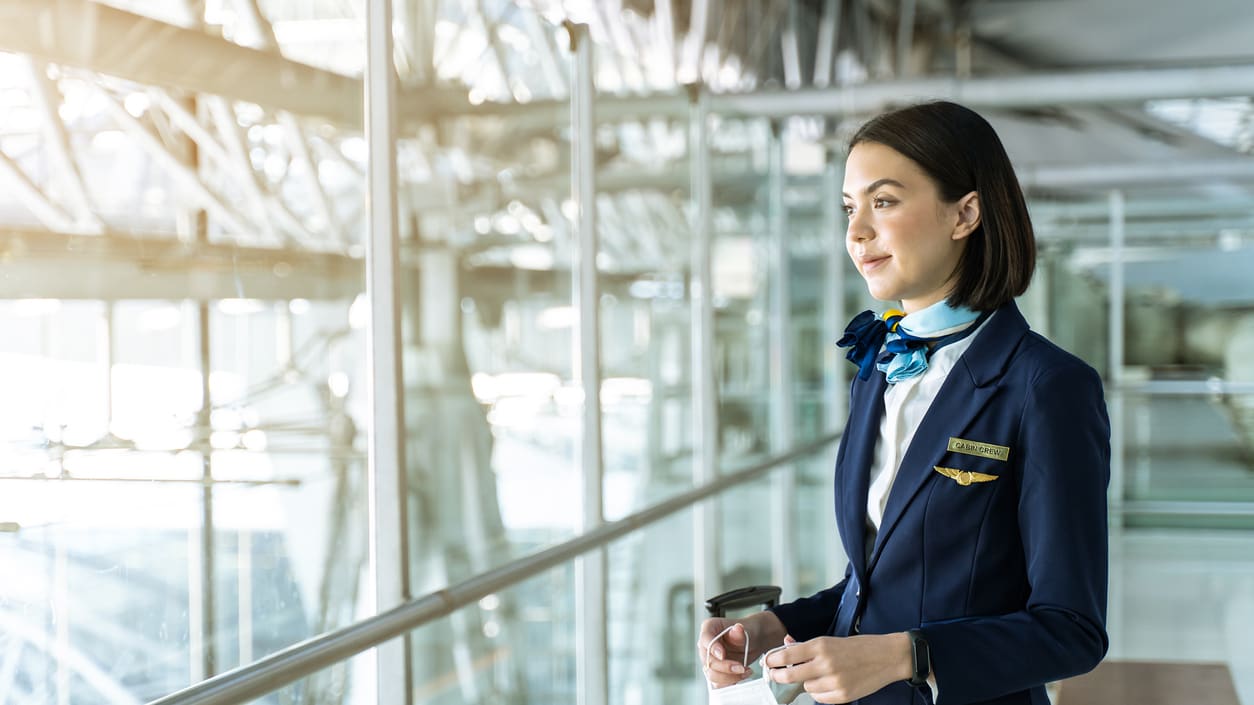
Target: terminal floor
1184 596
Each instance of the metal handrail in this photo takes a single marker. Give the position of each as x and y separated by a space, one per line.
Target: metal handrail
1207 508
312 655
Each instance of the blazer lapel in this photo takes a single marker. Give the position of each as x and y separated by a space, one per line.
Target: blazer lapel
968 388
861 434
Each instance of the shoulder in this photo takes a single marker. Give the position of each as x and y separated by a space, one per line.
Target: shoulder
1053 383
1038 361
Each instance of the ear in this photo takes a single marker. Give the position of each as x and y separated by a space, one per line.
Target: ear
968 216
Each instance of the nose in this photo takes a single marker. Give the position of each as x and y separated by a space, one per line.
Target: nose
859 229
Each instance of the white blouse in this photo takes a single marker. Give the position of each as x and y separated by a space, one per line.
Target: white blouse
905 404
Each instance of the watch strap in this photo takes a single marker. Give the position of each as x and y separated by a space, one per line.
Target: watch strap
921 656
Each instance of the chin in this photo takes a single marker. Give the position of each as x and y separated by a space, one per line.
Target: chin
882 293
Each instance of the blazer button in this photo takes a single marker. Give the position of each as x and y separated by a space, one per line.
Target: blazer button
858 594
857 625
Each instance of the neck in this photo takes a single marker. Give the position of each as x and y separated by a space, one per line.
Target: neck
920 303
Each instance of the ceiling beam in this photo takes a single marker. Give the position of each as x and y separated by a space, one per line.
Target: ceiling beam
1147 173
115 267
86 34
1034 90
1029 90
48 265
89 35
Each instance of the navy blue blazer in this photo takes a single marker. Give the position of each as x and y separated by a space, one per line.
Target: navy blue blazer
1005 574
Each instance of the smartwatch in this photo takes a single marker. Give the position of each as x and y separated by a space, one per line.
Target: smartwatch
922 658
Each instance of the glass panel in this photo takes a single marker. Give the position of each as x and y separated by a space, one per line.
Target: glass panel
515 646
1186 417
810 244
746 532
645 398
821 558
491 411
652 623
742 290
1187 452
182 485
644 226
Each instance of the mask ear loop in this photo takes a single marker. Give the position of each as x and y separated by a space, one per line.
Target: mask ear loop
720 636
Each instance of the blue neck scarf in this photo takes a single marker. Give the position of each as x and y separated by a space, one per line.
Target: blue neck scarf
900 344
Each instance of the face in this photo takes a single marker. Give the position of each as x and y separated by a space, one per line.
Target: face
905 241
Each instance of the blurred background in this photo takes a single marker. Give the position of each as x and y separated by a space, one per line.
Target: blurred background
216 444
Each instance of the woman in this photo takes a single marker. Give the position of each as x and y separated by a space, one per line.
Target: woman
971 479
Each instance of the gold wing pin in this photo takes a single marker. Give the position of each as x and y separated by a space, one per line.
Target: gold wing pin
964 477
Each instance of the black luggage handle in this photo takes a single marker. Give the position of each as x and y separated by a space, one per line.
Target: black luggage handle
767 595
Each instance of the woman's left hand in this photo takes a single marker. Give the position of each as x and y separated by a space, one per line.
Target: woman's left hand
843 669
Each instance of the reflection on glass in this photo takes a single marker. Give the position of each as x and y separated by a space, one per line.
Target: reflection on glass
652 624
181 462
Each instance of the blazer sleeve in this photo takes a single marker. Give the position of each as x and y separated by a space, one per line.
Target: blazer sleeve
1065 444
810 617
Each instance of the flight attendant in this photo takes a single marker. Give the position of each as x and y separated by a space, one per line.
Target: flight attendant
970 481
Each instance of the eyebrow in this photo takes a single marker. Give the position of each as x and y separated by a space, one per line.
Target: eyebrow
878 183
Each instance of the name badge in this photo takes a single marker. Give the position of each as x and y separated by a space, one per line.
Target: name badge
983 450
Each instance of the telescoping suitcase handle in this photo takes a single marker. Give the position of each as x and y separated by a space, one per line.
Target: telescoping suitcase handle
767 595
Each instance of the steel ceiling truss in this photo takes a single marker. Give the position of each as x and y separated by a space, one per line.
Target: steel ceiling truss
260 192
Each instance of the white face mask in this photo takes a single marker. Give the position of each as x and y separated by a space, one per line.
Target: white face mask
752 691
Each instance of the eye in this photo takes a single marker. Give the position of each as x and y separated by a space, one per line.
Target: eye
848 209
882 202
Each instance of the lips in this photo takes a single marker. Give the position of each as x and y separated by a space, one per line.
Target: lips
870 263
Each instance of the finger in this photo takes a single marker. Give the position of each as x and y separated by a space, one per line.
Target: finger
727 666
796 673
782 675
836 697
720 680
706 640
784 657
737 635
798 652
789 640
828 690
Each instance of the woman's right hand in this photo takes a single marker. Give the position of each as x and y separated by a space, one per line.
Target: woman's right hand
756 633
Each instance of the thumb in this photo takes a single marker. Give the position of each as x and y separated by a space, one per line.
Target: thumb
737 635
788 640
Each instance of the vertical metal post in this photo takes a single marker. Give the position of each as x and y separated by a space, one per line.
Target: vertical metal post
706 577
1115 406
108 350
389 555
244 583
905 36
834 317
591 644
790 48
208 595
692 60
196 568
418 19
61 613
1042 294
835 313
1115 391
825 49
782 398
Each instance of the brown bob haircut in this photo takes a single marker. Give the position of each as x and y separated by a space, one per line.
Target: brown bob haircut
959 150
